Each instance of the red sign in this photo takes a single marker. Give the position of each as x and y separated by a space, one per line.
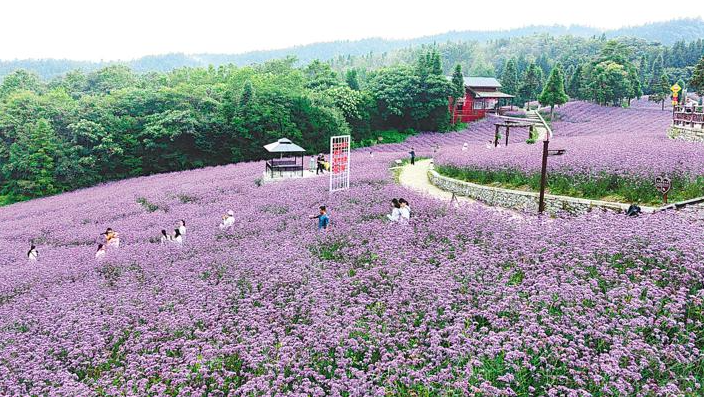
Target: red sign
663 184
339 162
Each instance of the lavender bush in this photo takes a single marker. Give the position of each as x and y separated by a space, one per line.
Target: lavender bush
461 301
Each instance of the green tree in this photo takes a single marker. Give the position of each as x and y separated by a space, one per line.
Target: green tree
509 78
661 91
351 79
683 86
554 90
30 170
656 74
458 88
697 80
20 80
532 81
574 87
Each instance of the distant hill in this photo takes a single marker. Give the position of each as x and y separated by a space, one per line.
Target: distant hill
666 33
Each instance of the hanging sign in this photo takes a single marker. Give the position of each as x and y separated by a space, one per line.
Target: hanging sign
339 162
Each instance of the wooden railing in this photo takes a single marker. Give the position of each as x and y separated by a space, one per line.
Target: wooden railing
688 116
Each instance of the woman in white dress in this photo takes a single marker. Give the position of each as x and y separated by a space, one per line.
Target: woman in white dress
395 211
165 238
100 253
33 254
182 227
404 210
177 236
112 239
228 220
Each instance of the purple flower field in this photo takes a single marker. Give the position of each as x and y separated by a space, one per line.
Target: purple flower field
461 301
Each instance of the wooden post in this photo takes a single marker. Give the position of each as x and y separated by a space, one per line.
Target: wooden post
543 177
496 136
507 129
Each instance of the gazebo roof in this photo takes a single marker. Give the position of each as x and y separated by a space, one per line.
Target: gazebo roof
283 145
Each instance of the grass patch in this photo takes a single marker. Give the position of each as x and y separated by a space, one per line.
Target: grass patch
607 187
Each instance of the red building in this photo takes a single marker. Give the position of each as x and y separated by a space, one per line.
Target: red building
482 96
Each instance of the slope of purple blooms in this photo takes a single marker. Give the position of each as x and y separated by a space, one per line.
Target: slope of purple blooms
461 301
601 143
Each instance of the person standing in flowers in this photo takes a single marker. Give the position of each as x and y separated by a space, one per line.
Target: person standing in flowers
33 254
323 218
321 164
413 156
395 211
182 227
228 220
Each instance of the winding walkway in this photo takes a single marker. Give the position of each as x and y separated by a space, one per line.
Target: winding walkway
416 177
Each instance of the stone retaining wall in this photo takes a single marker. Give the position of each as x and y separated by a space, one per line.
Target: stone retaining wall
524 201
686 133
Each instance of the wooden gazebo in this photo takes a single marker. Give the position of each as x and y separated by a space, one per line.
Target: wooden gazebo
282 147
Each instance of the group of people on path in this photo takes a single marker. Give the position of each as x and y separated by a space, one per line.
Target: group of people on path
400 210
319 163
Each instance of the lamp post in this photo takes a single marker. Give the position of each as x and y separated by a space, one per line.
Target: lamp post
544 168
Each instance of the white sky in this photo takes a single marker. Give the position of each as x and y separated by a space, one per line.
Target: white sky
126 29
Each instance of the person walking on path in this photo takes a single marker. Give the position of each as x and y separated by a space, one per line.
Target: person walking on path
323 218
312 164
413 156
33 254
321 165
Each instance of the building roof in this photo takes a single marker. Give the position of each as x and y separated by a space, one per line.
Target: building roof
490 94
283 145
484 82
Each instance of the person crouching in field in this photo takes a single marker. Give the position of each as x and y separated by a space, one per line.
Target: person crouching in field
112 239
228 220
323 218
404 209
100 253
33 254
395 214
182 227
177 237
165 238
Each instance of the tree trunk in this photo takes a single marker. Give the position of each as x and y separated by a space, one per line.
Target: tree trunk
552 111
663 104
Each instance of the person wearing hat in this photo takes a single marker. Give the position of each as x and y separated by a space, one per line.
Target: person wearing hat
33 254
228 220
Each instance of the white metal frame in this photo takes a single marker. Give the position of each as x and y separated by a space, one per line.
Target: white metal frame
341 179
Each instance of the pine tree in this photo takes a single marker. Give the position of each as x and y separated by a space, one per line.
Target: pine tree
30 166
656 74
554 91
436 64
574 88
509 78
458 89
643 71
697 80
351 79
532 81
661 90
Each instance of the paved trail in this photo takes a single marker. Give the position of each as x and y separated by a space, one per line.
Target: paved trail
416 178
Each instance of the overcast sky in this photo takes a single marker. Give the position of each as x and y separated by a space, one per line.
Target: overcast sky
127 29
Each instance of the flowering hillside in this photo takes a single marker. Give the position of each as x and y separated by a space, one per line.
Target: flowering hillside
460 301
